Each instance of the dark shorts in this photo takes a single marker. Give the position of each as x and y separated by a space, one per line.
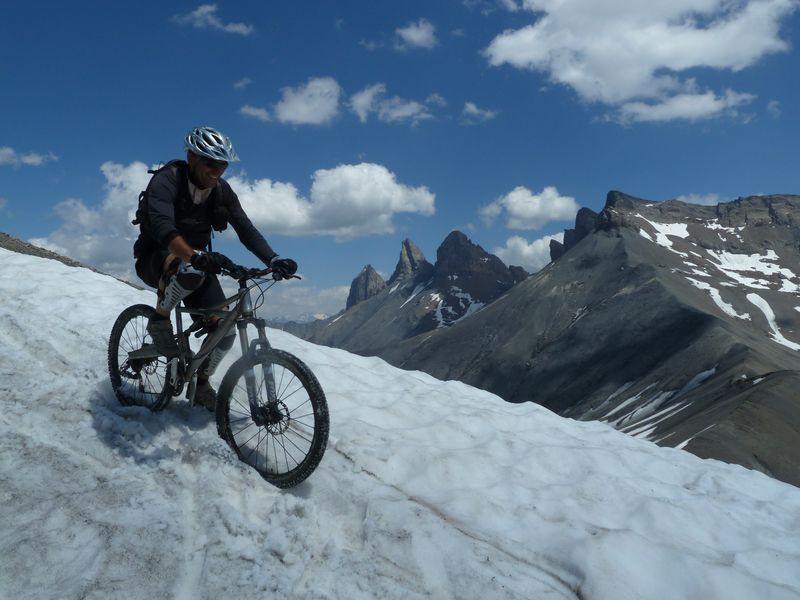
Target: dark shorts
148 268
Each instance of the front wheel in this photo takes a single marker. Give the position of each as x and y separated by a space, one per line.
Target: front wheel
283 440
137 372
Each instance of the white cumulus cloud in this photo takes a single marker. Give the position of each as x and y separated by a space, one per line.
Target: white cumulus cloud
527 210
347 201
364 102
531 256
299 300
436 100
102 236
632 56
396 109
691 107
421 34
372 100
205 17
315 103
10 157
242 83
262 114
472 114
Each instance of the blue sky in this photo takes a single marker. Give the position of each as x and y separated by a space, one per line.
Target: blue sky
360 124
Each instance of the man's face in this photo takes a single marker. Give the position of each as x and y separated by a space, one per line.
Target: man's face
206 171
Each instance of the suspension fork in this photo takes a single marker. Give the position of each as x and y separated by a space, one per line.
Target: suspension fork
266 366
255 349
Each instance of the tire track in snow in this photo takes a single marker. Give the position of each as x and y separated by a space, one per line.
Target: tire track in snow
551 577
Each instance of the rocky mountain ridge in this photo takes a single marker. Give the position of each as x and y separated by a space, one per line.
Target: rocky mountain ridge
674 322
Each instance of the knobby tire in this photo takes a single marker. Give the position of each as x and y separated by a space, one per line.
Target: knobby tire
141 383
288 449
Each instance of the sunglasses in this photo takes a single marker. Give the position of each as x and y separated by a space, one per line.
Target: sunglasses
215 164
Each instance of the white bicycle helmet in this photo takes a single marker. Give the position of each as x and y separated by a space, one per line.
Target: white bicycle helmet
208 142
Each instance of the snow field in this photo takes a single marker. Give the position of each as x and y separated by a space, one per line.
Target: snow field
428 489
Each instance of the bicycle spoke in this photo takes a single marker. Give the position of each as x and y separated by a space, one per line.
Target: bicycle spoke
250 424
245 415
293 393
293 444
300 434
298 417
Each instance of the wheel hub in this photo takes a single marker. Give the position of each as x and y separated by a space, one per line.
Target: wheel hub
274 416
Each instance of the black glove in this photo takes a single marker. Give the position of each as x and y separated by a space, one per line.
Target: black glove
282 268
211 262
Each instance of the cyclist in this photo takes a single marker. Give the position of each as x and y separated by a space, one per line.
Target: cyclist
177 211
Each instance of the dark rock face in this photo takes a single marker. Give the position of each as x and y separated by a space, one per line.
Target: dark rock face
556 250
518 273
365 286
466 278
585 223
411 264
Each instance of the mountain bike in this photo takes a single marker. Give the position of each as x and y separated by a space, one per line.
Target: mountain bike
270 407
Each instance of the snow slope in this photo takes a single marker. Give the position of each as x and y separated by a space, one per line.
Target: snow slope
428 489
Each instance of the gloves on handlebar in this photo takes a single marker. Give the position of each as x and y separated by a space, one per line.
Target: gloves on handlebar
282 268
211 262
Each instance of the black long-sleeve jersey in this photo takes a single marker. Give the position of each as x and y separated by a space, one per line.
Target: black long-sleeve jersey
171 212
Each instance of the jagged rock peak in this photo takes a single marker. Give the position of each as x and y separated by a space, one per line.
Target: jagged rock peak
586 221
411 261
518 273
458 253
617 199
367 284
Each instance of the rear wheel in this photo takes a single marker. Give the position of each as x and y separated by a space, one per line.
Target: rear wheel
284 440
137 381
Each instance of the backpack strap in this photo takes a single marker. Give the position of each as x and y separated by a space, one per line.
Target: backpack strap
141 210
220 209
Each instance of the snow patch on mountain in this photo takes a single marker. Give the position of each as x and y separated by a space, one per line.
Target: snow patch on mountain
776 335
717 298
663 231
447 315
732 265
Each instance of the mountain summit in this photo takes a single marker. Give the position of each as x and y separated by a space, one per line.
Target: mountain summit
418 298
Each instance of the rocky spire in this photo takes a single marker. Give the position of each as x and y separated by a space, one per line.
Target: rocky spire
411 261
585 222
459 256
365 286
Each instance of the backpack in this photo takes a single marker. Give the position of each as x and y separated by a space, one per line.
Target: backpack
219 210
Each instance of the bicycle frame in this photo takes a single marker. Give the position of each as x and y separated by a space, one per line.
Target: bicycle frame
241 315
184 367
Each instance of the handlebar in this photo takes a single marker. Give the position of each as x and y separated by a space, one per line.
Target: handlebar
241 273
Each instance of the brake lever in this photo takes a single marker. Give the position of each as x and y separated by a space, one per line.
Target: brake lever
277 277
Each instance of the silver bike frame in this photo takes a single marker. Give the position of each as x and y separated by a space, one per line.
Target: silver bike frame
241 315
